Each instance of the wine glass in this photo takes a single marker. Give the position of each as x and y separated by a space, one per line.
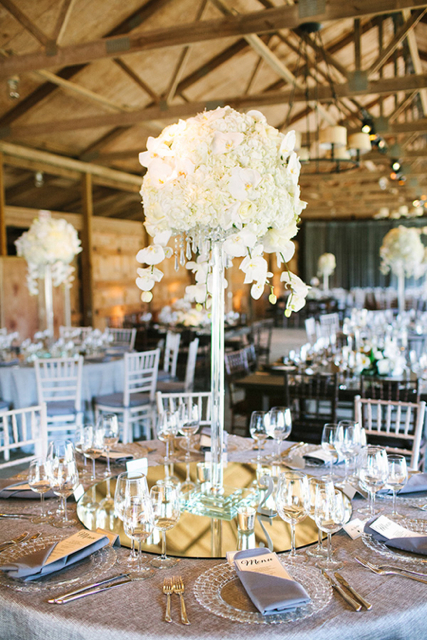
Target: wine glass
373 474
63 477
258 428
167 428
78 446
165 500
38 479
329 516
346 443
397 478
93 445
329 438
325 483
110 426
280 426
138 525
291 498
188 424
129 485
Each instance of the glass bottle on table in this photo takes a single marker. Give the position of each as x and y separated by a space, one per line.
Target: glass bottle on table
397 477
258 428
291 500
165 498
280 427
38 480
329 516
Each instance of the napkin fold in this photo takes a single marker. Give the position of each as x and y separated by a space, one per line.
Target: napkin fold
317 457
412 545
33 565
117 457
417 483
21 490
270 594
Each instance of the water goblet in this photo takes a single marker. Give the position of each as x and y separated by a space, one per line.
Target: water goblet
280 426
109 424
329 516
397 477
38 479
129 485
373 474
138 522
310 506
93 445
165 498
84 473
328 442
188 424
346 443
258 428
291 498
63 477
167 428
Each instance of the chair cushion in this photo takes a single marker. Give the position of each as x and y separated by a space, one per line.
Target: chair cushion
171 387
116 399
164 376
60 408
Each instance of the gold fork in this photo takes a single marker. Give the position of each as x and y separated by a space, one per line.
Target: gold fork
178 587
168 590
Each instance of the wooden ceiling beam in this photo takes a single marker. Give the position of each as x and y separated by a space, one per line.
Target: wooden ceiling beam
137 79
266 21
25 22
322 94
62 21
417 64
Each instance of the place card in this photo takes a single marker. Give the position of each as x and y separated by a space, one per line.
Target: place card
354 528
140 465
114 538
117 455
78 492
76 542
389 529
268 564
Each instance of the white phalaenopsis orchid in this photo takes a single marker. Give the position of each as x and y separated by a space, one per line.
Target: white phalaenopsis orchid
49 242
226 177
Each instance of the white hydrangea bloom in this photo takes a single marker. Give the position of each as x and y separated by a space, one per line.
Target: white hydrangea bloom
402 251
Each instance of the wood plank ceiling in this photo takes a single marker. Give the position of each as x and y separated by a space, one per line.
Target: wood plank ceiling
95 78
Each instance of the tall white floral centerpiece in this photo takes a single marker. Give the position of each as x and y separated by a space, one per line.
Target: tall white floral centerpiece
402 253
49 246
224 185
325 268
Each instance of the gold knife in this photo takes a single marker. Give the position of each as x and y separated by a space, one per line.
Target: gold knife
356 594
356 606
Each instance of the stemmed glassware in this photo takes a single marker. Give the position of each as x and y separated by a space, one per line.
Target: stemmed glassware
188 424
38 479
346 443
291 500
310 507
280 426
138 525
78 446
130 485
329 516
329 439
167 428
165 499
397 478
110 427
373 474
63 477
258 428
93 445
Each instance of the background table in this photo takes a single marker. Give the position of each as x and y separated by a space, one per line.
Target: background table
136 611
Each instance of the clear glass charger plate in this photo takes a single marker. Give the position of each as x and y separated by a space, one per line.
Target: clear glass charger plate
419 526
407 500
220 591
304 450
89 569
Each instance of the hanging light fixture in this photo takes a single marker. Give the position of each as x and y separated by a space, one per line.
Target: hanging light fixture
325 150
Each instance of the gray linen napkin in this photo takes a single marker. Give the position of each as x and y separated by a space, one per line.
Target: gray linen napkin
32 566
412 545
113 460
269 593
13 491
416 484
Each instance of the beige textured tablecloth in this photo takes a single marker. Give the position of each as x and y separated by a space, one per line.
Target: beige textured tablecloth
135 611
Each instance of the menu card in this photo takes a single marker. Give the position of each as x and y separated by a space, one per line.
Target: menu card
74 543
268 564
390 529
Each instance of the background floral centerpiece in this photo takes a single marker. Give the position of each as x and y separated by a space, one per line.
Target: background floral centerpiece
49 242
402 253
325 268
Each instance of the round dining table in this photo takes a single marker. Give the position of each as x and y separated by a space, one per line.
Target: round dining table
136 611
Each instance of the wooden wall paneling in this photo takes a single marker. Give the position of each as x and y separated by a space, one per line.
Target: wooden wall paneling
3 241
